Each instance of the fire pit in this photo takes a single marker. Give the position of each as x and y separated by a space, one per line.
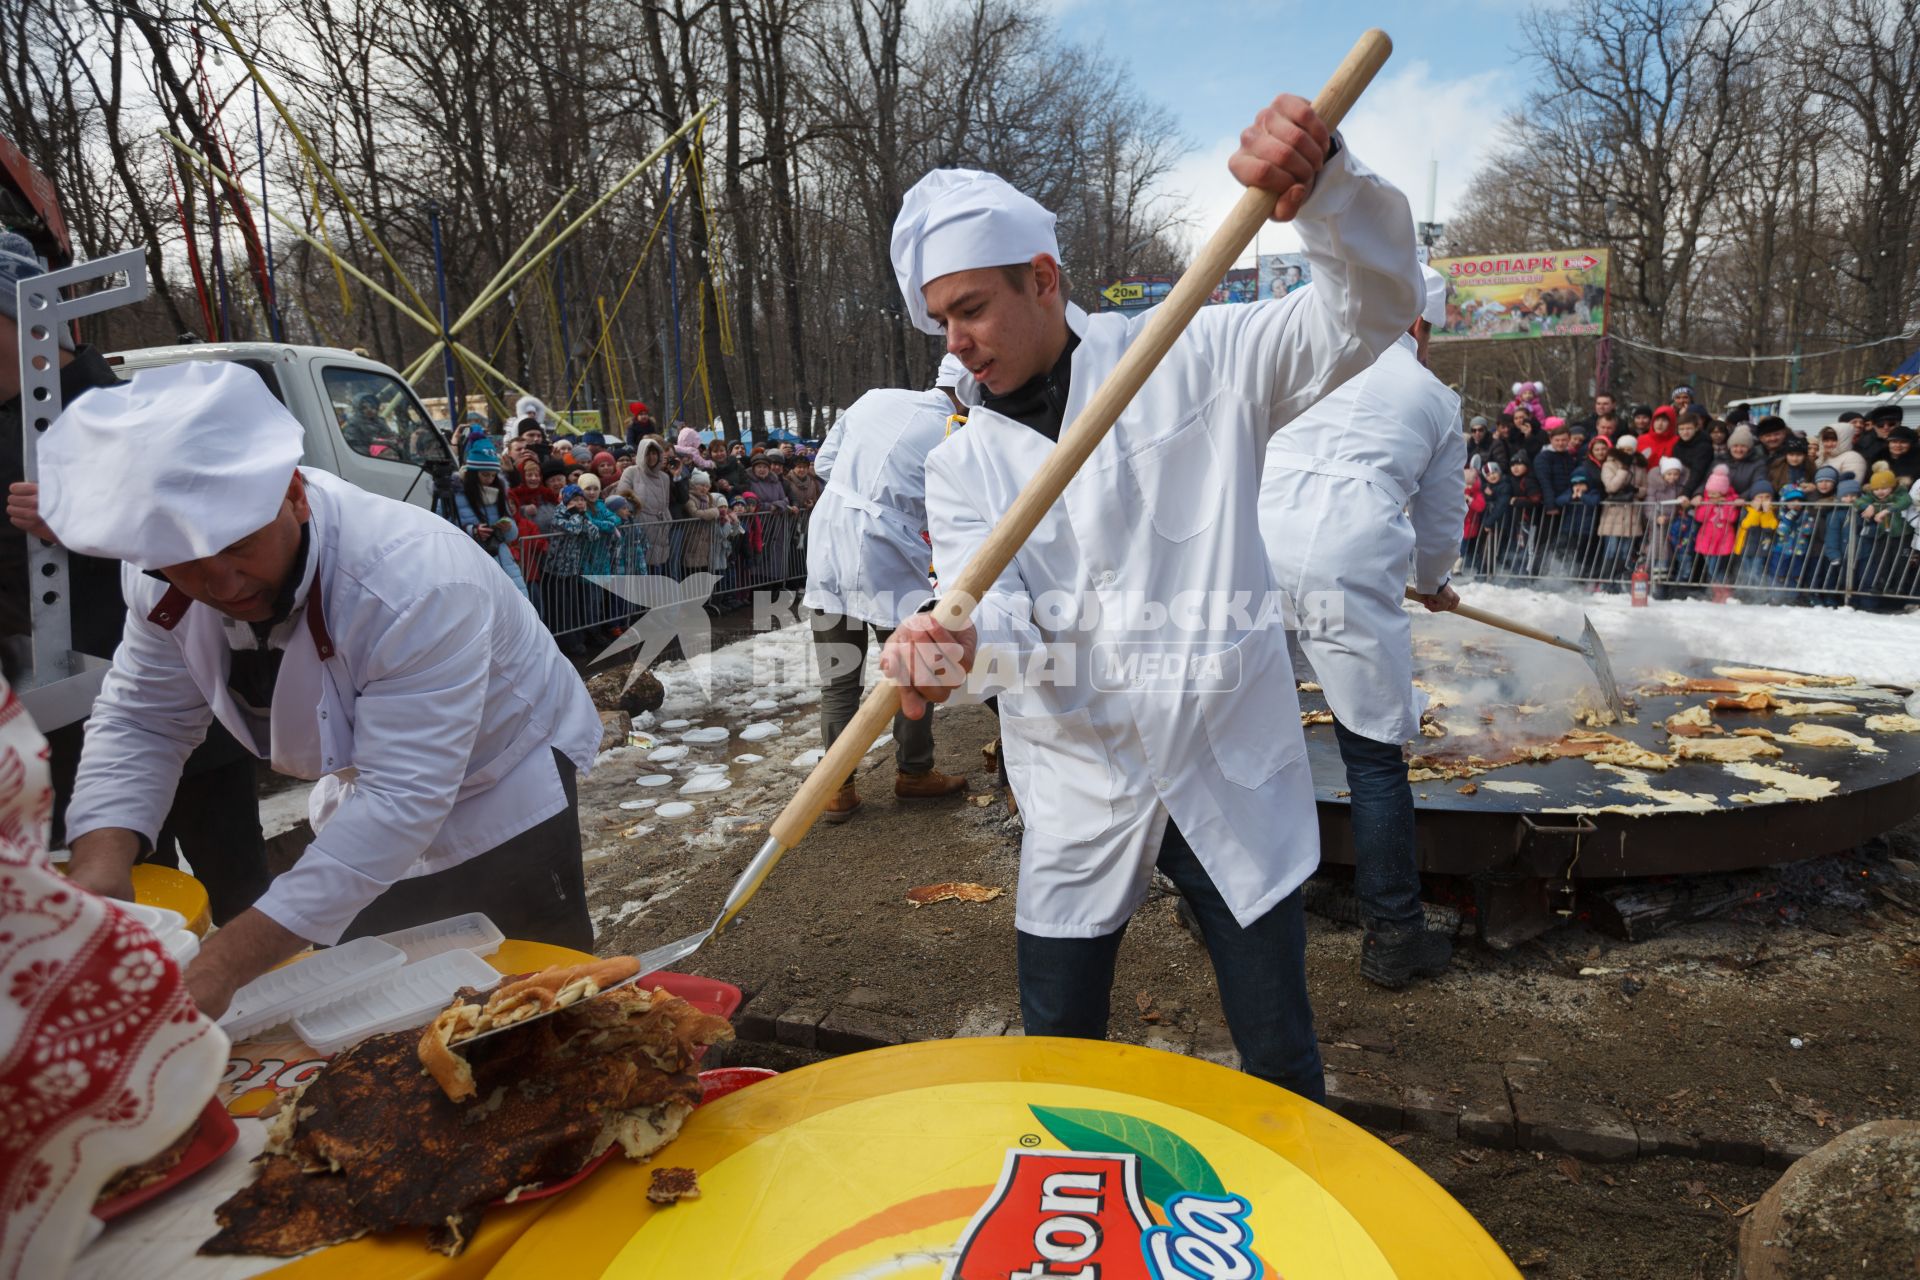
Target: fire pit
1510 795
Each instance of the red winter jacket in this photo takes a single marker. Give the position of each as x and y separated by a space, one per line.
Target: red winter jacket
1658 443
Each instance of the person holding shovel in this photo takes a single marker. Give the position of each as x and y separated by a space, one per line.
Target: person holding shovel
1383 451
1147 704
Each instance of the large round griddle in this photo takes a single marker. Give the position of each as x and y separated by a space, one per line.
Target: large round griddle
1545 833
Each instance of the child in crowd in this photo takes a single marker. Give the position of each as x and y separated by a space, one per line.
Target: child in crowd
1718 516
1476 512
1578 521
1523 502
1623 485
1792 554
1880 527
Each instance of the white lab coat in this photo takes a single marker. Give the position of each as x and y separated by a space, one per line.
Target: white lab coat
1360 490
865 554
419 666
1165 512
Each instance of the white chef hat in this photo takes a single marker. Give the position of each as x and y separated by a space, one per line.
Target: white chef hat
1434 310
954 374
179 463
958 220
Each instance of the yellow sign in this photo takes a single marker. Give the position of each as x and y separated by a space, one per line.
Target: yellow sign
938 1182
1559 294
1003 1157
1119 294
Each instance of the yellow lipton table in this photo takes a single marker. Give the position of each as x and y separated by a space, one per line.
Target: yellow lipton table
159 1238
1014 1157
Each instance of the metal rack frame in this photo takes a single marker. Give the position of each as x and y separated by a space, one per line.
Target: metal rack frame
59 687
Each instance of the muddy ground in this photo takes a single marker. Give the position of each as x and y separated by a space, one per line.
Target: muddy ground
1789 1031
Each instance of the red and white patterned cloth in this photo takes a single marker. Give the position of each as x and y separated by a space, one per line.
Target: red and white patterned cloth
104 1060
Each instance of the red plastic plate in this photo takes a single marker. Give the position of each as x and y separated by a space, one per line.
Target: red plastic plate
708 995
214 1135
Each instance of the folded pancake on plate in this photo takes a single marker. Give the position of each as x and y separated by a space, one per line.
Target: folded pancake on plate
138 1177
374 1142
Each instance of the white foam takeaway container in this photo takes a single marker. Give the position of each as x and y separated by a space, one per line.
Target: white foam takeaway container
472 932
283 994
407 997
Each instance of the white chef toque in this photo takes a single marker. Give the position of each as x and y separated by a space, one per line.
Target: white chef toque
1434 310
177 464
959 220
954 374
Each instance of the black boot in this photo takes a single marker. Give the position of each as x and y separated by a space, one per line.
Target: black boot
1393 957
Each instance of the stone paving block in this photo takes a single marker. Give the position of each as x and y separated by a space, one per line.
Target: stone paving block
849 1029
1729 1149
1168 1040
1427 1110
1353 1061
1363 1100
799 1025
1780 1155
980 1022
1486 1113
1215 1044
1584 1129
1658 1141
757 1018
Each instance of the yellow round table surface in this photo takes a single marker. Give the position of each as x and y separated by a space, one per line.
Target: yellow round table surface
1014 1157
175 890
403 1255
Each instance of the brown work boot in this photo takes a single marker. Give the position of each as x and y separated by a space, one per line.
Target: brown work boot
841 807
930 785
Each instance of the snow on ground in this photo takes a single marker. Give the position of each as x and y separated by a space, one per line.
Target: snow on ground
285 809
1878 648
766 667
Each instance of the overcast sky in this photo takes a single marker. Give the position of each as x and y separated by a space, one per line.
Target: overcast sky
1214 63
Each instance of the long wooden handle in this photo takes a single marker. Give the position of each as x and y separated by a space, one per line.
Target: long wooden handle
1505 624
1168 321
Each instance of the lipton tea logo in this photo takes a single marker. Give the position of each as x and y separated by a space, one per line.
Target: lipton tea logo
1058 1215
1084 1214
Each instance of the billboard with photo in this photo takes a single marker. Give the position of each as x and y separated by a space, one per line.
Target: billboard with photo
1281 273
1557 294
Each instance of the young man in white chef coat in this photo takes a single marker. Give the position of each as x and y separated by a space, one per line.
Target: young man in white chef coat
1360 490
867 564
343 636
1165 730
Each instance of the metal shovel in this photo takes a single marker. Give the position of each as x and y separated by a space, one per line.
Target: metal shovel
954 609
1588 647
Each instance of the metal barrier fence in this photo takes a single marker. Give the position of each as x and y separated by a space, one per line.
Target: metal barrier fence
1783 553
755 549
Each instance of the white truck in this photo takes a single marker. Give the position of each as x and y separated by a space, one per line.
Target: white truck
1806 413
364 424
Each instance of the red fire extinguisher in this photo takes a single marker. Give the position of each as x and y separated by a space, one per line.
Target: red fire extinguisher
1641 582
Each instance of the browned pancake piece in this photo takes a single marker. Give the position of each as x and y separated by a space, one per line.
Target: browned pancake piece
672 1184
392 1150
284 1212
137 1176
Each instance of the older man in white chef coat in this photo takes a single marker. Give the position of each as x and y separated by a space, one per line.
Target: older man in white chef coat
1164 729
1361 490
867 563
344 637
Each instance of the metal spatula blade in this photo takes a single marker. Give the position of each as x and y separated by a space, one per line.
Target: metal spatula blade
1596 655
660 957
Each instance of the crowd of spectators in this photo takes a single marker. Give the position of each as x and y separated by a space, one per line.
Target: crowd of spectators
1703 504
557 509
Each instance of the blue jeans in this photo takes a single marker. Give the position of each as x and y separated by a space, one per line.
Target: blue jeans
1066 984
1386 868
